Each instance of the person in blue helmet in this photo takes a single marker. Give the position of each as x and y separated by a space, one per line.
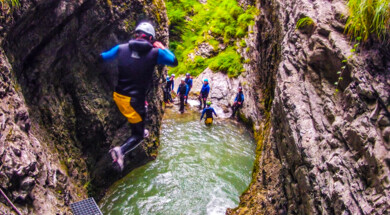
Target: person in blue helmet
204 93
136 62
238 101
188 81
209 114
168 88
182 92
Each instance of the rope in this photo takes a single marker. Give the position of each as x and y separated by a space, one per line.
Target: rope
9 202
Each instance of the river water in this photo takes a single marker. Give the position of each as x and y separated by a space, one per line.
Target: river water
199 170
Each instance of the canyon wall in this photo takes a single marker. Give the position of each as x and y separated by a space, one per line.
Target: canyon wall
58 119
319 152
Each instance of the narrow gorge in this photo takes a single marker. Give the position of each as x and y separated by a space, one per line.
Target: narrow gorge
317 101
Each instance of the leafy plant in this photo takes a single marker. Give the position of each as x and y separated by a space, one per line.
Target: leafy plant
218 22
368 17
10 4
228 61
303 22
344 65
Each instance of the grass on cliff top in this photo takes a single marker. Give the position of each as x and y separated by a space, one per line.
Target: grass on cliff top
218 22
9 4
369 17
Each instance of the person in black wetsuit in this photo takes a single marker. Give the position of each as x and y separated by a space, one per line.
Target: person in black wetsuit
136 62
168 88
182 92
238 101
209 114
188 81
204 93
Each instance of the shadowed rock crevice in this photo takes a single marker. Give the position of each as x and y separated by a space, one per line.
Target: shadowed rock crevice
59 92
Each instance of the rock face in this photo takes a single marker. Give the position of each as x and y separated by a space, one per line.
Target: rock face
321 153
57 117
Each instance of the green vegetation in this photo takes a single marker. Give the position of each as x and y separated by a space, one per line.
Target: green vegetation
303 22
9 4
218 22
368 17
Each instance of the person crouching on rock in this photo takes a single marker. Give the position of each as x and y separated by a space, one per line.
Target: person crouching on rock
182 92
209 114
204 93
136 62
238 101
188 81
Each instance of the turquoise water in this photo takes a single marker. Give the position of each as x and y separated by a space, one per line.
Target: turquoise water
199 170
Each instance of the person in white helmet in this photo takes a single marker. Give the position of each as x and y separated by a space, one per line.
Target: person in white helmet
136 62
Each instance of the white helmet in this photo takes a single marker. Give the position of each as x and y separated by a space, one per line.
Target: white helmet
183 79
146 27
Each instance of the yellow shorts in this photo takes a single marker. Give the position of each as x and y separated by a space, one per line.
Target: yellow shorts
208 121
123 103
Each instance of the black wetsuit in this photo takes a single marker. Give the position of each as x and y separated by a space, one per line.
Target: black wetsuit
136 62
236 106
182 91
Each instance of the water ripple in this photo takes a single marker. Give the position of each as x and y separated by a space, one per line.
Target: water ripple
199 170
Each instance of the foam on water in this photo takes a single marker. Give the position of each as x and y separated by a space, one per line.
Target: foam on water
199 170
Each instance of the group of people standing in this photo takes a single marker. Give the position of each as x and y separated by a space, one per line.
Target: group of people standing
136 61
185 87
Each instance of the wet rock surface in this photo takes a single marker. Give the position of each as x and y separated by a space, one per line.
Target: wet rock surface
57 117
321 153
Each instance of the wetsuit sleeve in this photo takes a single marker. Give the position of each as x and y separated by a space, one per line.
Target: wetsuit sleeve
187 90
204 111
166 57
190 83
178 89
242 96
207 91
235 100
173 84
110 54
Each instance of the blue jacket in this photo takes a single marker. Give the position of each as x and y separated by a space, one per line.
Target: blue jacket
189 82
239 97
136 62
209 112
205 90
182 90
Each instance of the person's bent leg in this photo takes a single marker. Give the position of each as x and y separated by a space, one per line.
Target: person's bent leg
137 134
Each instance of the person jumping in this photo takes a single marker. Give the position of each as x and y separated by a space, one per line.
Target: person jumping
136 62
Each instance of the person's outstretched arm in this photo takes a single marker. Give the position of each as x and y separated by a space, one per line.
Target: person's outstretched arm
165 57
187 90
110 54
215 113
204 111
